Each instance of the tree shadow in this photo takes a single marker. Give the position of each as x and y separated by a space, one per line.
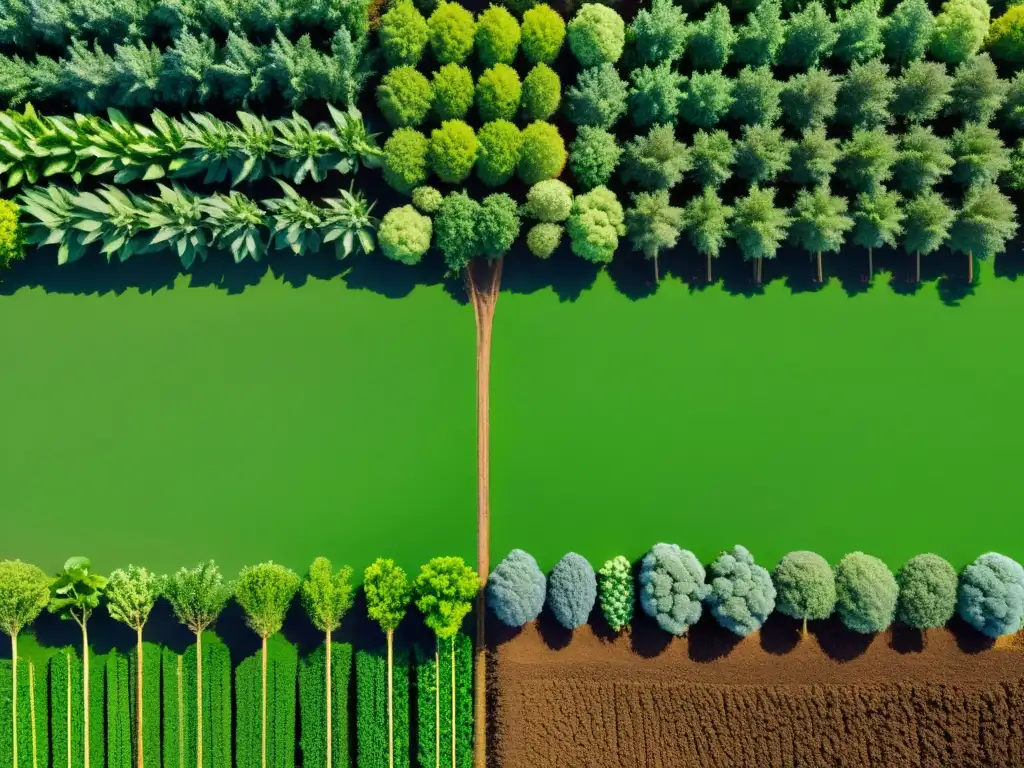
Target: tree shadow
499 633
633 275
904 639
646 638
554 635
968 639
1010 264
709 641
838 642
780 634
564 273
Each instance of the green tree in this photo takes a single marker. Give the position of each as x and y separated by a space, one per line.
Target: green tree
814 158
809 98
878 221
977 90
543 33
706 220
616 592
1006 36
500 144
864 95
24 593
1012 112
926 224
542 93
653 224
497 36
923 161
656 94
805 587
598 98
405 159
908 31
455 231
708 99
712 158
404 97
595 225
820 222
860 29
656 160
450 32
984 224
927 597
762 154
198 595
445 589
498 226
453 151
75 594
979 154
760 39
810 36
866 593
498 93
404 233
757 96
759 227
402 34
868 159
712 40
659 34
452 92
131 595
922 92
327 596
387 599
593 156
960 29
597 35
542 153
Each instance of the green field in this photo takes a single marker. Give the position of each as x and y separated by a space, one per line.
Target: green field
287 421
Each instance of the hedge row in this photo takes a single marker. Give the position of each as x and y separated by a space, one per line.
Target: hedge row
119 716
425 707
312 702
29 697
179 695
372 708
282 672
152 661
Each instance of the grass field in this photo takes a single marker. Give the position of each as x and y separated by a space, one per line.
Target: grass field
275 416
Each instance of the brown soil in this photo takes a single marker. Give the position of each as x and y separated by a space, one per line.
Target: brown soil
836 699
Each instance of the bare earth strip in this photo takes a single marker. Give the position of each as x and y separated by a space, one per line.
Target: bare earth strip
595 703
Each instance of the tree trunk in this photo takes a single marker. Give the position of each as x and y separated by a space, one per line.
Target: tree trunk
753 264
391 700
330 714
803 632
68 700
657 276
871 265
181 712
263 709
709 269
453 703
138 693
85 689
437 702
32 712
760 270
917 259
14 697
199 699
821 278
970 268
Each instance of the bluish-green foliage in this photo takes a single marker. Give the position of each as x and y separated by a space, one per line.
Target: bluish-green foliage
928 587
908 31
761 38
757 96
572 590
866 593
991 595
656 160
805 586
810 36
656 94
313 706
742 594
598 98
672 586
860 29
517 587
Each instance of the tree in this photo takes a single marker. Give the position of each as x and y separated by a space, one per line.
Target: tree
820 222
197 596
712 40
1013 104
759 227
327 595
809 99
656 160
593 156
405 159
544 238
927 222
672 586
597 35
761 38
595 225
712 158
616 592
659 34
814 158
977 90
656 94
75 594
542 154
543 33
1006 36
450 32
387 598
500 145
452 92
445 589
908 32
264 592
927 592
572 590
542 93
922 92
453 151
498 93
404 97
403 34
549 201
810 36
868 159
455 231
131 595
516 589
991 595
404 233
498 226
598 98
866 593
960 30
706 219
865 94
878 221
24 593
653 223
708 99
742 595
757 97
762 154
805 587
984 224
979 154
859 29
924 159
497 36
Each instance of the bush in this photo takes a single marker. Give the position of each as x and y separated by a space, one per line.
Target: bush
593 155
757 97
313 710
453 92
542 93
572 590
455 230
864 95
1006 36
543 239
927 586
713 156
805 587
598 98
708 99
516 589
498 226
761 39
860 30
977 90
672 587
960 30
979 154
712 40
814 158
597 35
12 238
908 31
659 35
426 669
762 154
451 31
809 99
595 225
453 150
543 34
498 92
282 673
656 94
405 159
497 36
404 97
616 592
865 593
922 92
549 201
991 595
500 142
742 595
404 233
657 160
542 153
810 37
403 35
427 200
372 708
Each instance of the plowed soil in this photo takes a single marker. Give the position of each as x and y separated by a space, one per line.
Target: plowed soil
835 699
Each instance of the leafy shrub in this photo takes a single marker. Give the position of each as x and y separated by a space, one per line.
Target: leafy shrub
713 156
979 154
403 35
549 201
498 92
672 587
313 709
860 30
543 239
498 226
596 35
426 200
404 233
659 34
991 595
12 238
455 229
656 94
1013 103
923 160
500 143
593 155
809 98
497 36
1006 36
927 585
543 33
598 98
820 222
960 30
805 586
762 154
572 590
712 40
372 708
708 99
516 587
542 154
282 672
542 93
814 158
453 151
866 593
757 96
922 92
617 594
595 225
451 30
404 97
742 595
864 95
761 38
426 741
977 90
908 31
453 92
405 159
810 37
656 160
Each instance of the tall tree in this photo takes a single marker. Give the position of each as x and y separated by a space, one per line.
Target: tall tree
327 596
653 223
878 221
820 222
983 225
130 598
75 594
24 593
706 218
265 591
387 598
926 224
445 589
198 595
759 227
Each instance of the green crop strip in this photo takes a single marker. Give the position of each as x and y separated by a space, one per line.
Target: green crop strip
65 678
312 701
179 715
152 655
372 708
282 671
425 708
33 748
119 720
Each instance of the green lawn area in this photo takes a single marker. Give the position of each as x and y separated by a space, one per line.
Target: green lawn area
165 426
